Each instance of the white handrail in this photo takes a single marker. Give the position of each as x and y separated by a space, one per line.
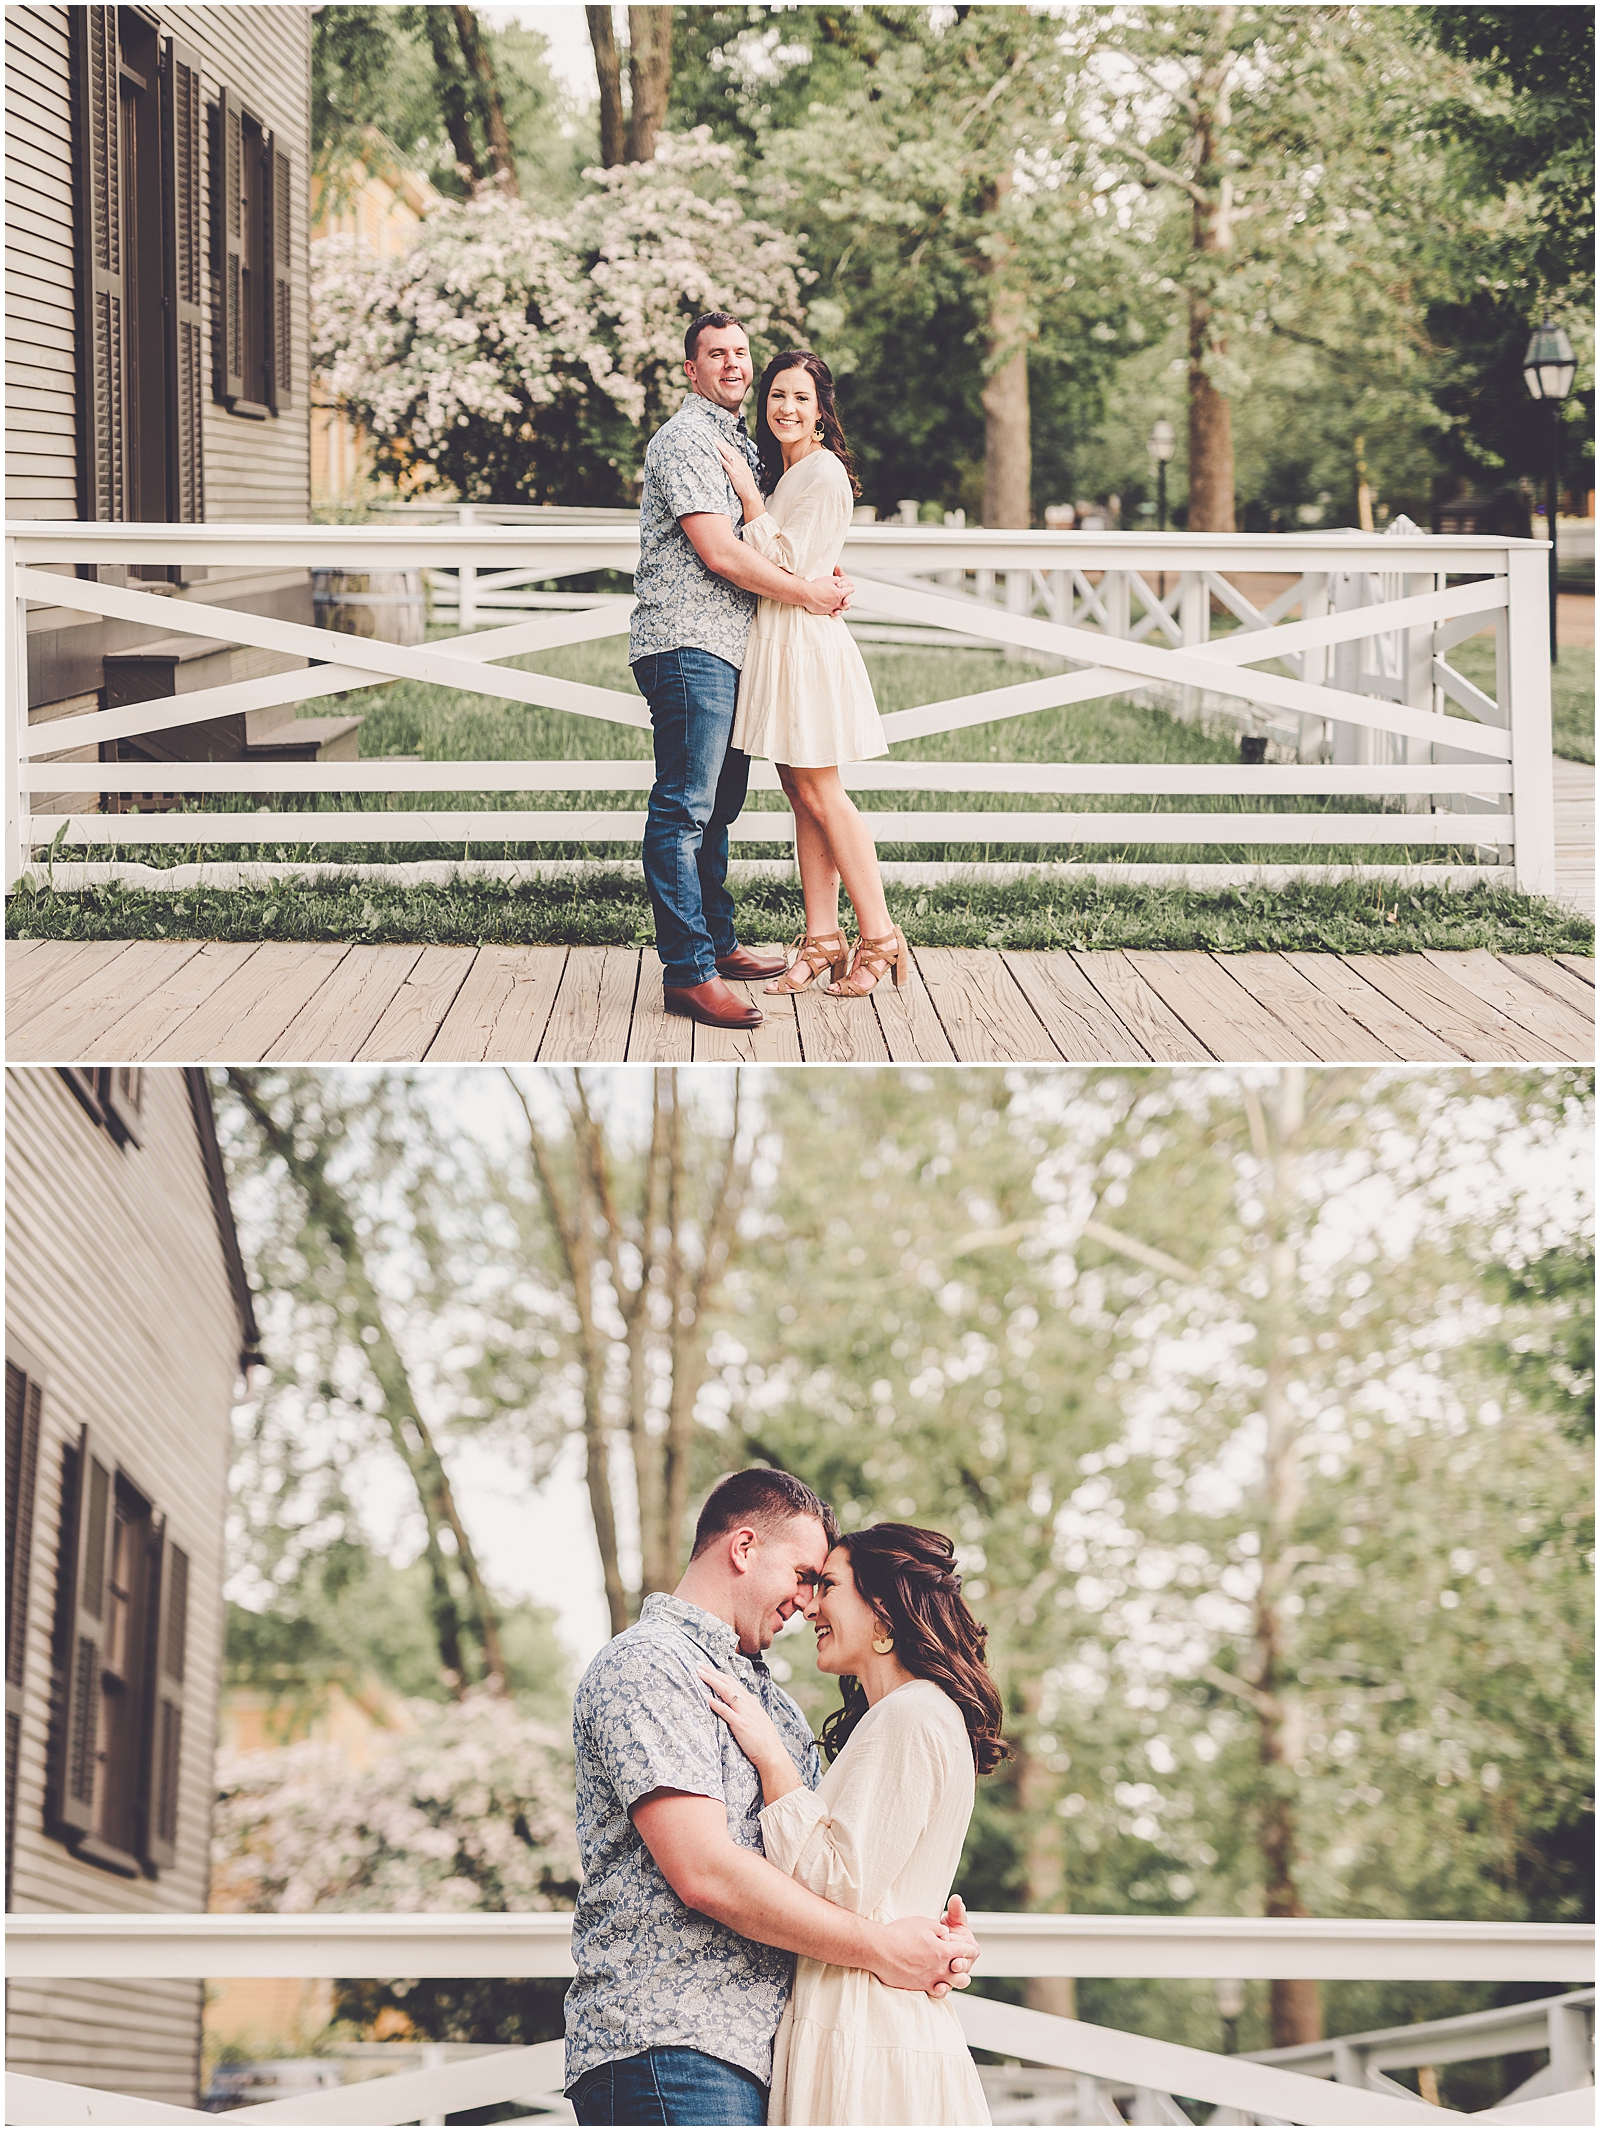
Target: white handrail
1367 677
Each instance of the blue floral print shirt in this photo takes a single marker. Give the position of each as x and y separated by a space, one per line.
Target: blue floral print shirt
653 1973
682 604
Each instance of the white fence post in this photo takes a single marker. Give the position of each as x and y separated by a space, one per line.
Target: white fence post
1313 663
1194 624
1569 2049
466 578
18 808
1526 623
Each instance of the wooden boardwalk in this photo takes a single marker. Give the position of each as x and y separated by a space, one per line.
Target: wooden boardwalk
191 1001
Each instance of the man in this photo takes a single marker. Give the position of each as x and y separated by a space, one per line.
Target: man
697 586
684 1935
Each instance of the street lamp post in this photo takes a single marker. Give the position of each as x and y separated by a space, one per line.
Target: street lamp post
1547 371
1163 443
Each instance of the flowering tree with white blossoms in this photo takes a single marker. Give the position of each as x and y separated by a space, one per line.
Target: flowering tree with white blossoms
472 1808
520 358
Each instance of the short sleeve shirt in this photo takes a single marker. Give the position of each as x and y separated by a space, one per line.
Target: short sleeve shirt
680 603
653 1973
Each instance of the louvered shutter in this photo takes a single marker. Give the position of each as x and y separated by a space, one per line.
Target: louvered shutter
122 1094
102 330
279 276
168 1659
227 182
23 1401
182 155
84 1615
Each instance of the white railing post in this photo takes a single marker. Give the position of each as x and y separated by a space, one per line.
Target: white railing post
1313 664
1526 622
18 808
1416 666
466 578
1019 600
1569 2049
1194 624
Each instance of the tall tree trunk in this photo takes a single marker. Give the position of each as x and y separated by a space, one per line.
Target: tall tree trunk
328 1209
1296 2003
649 78
1210 416
608 74
490 109
1007 445
453 100
1044 1880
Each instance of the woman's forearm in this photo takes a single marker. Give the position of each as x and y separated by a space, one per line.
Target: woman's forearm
779 1777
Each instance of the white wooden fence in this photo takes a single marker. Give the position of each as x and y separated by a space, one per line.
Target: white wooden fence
1353 694
1103 2061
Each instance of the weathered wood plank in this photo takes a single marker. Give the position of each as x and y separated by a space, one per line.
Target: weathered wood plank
1218 1009
503 1008
775 1042
1545 1020
1547 972
912 1032
837 1031
169 1003
1143 1012
1477 1031
588 1024
983 1011
412 1019
1076 1018
656 1037
66 1031
61 969
1274 982
1390 1024
344 1010
1580 965
250 1009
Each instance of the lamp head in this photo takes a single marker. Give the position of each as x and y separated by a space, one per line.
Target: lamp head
1163 441
1548 367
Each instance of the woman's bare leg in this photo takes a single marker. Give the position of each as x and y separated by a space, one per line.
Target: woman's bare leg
819 796
819 876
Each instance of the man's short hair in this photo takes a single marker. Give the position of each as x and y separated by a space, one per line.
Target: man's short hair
691 339
763 1498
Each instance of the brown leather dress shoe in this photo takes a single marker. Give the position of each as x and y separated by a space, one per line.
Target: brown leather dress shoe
713 1004
749 967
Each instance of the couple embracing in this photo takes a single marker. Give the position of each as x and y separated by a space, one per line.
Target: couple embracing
716 1849
739 647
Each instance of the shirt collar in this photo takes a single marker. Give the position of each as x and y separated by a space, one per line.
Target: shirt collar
715 1637
725 419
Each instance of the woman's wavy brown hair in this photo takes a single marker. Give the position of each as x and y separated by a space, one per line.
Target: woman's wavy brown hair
832 434
908 1577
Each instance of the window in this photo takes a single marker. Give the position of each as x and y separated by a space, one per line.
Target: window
113 1097
123 1637
252 290
23 1401
137 121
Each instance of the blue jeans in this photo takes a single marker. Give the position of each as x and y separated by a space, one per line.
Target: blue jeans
668 2087
699 790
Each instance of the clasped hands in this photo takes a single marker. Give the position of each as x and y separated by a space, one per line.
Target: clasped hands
915 1942
828 596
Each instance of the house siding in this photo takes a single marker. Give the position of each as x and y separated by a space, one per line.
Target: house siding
119 1293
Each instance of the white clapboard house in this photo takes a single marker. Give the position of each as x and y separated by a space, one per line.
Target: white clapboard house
157 294
128 1319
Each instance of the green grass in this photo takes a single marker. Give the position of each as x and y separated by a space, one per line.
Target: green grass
610 910
1571 691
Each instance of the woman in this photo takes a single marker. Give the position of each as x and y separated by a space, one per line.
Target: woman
805 700
882 1834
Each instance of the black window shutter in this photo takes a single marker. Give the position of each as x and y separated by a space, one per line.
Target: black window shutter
182 155
123 1098
279 277
23 1401
83 1637
227 186
102 298
165 1672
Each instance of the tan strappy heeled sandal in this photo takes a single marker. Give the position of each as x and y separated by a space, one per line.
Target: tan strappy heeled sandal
874 959
809 955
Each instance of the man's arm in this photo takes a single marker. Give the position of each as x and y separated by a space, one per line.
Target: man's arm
721 550
688 1838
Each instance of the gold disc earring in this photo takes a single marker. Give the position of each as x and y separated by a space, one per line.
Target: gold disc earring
883 1644
819 432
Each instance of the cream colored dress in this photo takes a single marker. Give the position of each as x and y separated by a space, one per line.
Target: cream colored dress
881 1835
804 695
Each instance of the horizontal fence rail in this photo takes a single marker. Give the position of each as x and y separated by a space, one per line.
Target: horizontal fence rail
1346 672
1319 2086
